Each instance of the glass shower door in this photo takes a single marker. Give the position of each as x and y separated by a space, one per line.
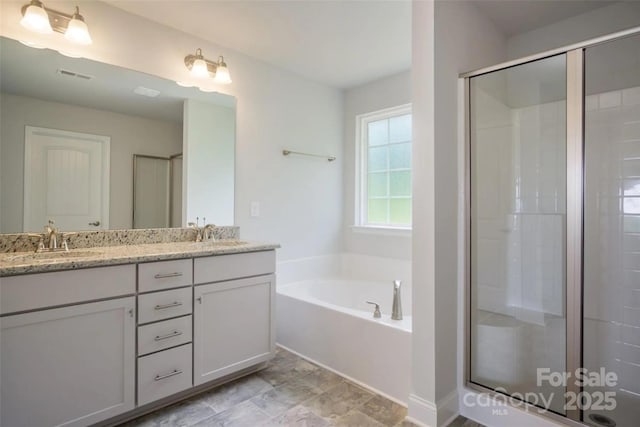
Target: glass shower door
611 311
518 179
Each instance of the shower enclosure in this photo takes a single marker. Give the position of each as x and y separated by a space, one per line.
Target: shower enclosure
553 231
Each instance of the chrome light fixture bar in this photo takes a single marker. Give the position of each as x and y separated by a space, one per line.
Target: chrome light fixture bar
37 18
201 67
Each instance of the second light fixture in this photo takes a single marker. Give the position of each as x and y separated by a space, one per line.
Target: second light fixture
203 68
45 21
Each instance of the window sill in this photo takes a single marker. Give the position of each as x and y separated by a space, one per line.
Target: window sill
382 230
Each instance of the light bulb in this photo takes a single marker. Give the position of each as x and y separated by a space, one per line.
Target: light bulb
36 18
222 72
199 68
77 30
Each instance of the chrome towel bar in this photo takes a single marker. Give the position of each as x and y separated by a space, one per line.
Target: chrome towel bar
329 158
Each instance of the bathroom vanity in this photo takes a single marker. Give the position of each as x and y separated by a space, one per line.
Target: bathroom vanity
107 332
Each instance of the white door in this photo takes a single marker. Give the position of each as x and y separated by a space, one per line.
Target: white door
219 349
70 366
66 179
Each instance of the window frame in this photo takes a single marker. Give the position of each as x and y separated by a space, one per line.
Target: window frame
361 170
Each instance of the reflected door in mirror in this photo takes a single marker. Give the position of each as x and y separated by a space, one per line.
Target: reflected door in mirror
66 177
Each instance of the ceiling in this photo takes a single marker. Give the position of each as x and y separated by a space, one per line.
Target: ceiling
34 73
338 43
519 16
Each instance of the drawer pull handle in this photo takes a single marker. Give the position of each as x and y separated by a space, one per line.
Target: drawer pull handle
165 306
170 374
166 275
171 335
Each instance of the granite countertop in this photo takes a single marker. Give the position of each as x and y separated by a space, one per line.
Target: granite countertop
15 263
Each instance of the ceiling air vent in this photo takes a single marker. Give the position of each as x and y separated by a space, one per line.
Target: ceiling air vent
68 73
145 91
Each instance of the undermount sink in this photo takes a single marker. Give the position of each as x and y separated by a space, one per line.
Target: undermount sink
51 255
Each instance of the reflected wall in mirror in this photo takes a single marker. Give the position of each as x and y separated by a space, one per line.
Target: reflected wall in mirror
57 115
155 184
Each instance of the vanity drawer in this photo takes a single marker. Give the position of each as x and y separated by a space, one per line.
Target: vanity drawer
163 374
40 290
226 267
155 276
164 305
165 334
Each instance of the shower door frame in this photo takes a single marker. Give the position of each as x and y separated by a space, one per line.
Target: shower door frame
575 100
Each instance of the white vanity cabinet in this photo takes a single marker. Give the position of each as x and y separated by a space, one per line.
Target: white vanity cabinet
232 326
70 366
68 339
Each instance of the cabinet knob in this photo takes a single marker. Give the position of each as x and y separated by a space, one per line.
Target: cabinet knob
199 299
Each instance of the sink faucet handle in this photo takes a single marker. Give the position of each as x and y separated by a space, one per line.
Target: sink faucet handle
65 239
40 237
376 310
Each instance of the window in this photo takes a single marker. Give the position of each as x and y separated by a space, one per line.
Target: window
384 168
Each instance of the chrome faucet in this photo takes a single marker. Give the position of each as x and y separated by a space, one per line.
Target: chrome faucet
205 232
52 235
396 311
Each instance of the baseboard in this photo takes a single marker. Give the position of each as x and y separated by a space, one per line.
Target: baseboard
426 413
448 408
353 380
422 412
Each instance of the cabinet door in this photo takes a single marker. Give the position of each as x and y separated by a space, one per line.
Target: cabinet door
70 366
233 326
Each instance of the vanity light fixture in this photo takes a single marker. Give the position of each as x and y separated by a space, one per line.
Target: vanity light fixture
37 18
204 68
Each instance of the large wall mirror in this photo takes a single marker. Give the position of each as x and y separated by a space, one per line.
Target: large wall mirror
93 146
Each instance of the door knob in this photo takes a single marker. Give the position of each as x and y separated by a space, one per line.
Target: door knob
95 223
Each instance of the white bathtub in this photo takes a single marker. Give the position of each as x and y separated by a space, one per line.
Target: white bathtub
329 322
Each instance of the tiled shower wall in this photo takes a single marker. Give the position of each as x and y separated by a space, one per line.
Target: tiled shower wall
612 252
521 201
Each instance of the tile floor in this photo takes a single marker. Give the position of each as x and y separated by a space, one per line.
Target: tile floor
289 392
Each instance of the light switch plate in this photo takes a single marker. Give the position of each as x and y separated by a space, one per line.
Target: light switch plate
255 209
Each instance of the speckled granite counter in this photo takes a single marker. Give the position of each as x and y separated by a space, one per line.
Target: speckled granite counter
28 262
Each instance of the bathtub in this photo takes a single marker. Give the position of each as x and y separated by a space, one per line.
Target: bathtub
328 322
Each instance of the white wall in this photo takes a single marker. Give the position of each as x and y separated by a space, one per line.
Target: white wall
129 135
598 22
301 199
387 92
448 38
209 158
